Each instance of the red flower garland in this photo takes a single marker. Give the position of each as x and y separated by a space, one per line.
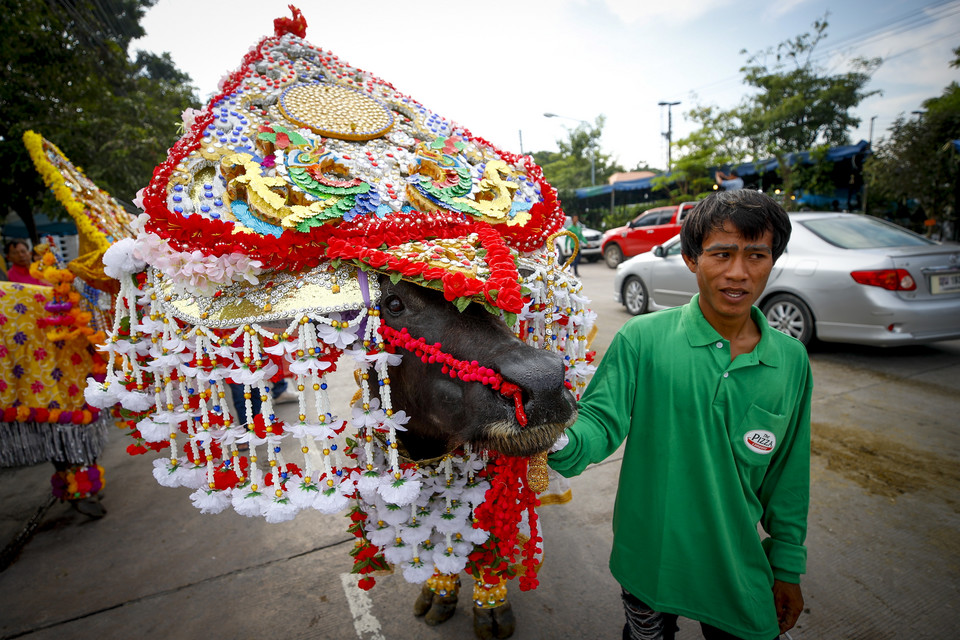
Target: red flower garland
500 513
367 557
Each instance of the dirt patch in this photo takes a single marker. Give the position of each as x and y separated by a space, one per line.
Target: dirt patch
883 466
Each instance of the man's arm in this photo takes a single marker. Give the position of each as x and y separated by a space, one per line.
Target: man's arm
785 492
605 411
785 495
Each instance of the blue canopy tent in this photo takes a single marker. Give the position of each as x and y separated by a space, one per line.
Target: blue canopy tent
15 228
848 179
834 155
63 232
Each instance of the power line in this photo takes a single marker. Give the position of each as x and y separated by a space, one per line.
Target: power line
73 18
925 44
108 19
896 31
915 19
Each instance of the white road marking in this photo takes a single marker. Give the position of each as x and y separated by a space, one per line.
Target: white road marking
365 623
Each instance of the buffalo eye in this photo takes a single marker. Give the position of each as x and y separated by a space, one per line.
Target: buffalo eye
394 305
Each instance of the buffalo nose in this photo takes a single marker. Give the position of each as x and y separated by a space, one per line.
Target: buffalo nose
538 373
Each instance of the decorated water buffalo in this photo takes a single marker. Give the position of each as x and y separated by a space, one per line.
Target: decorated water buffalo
313 217
49 330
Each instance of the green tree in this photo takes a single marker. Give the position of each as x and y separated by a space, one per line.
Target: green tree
798 104
714 143
570 168
66 73
919 161
795 105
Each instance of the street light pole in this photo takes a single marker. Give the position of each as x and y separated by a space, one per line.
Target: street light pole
669 133
870 147
593 150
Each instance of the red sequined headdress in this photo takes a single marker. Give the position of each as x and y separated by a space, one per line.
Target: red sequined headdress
303 160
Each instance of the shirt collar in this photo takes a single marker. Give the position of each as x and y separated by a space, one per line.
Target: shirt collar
701 333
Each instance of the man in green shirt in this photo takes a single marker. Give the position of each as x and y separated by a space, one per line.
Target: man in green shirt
714 406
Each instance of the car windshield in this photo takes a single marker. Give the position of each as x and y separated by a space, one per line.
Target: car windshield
863 233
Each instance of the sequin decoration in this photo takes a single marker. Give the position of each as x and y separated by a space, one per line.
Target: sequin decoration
322 290
336 112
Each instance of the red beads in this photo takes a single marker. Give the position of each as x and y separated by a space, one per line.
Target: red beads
433 353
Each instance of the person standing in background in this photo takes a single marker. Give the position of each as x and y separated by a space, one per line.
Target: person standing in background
729 181
17 254
577 229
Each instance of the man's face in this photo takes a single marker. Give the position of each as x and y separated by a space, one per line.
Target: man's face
19 255
731 273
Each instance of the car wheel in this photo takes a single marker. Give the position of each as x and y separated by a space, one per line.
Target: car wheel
789 314
635 296
613 255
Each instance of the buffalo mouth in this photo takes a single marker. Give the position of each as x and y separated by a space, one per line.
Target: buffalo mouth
507 437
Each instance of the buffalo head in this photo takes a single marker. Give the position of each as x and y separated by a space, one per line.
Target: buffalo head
447 412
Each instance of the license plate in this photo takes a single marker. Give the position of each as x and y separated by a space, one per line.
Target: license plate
945 284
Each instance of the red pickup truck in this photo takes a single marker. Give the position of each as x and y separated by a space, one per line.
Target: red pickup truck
643 233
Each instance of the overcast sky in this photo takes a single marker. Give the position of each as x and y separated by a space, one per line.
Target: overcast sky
496 67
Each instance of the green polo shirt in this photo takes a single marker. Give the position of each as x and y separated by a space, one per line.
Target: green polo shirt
713 448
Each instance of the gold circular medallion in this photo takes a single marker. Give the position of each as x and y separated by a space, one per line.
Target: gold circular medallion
336 112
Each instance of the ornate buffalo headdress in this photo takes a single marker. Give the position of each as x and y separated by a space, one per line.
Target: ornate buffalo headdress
301 185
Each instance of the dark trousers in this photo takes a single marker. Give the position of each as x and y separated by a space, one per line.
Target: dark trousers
643 623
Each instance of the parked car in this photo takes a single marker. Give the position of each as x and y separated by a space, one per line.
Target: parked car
650 228
589 252
843 278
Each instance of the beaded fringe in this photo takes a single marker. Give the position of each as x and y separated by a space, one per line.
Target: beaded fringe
28 443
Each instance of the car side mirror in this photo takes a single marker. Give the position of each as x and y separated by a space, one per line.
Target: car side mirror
658 251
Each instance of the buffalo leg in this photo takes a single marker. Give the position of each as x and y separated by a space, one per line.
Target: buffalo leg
492 614
437 601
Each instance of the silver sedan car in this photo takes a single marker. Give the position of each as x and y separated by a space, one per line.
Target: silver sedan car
843 278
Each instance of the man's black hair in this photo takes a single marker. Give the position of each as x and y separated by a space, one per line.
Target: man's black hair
10 244
749 212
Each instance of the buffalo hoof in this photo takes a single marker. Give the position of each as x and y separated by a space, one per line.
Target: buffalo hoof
434 608
90 507
497 622
424 600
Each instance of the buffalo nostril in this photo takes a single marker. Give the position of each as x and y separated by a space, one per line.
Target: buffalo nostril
540 378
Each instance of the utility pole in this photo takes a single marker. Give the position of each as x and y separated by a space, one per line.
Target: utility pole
669 134
870 148
521 141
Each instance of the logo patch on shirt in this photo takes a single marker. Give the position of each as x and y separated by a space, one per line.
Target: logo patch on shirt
760 441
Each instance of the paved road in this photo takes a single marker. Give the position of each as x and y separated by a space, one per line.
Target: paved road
884 543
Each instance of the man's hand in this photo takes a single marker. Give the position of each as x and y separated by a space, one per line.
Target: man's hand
789 603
